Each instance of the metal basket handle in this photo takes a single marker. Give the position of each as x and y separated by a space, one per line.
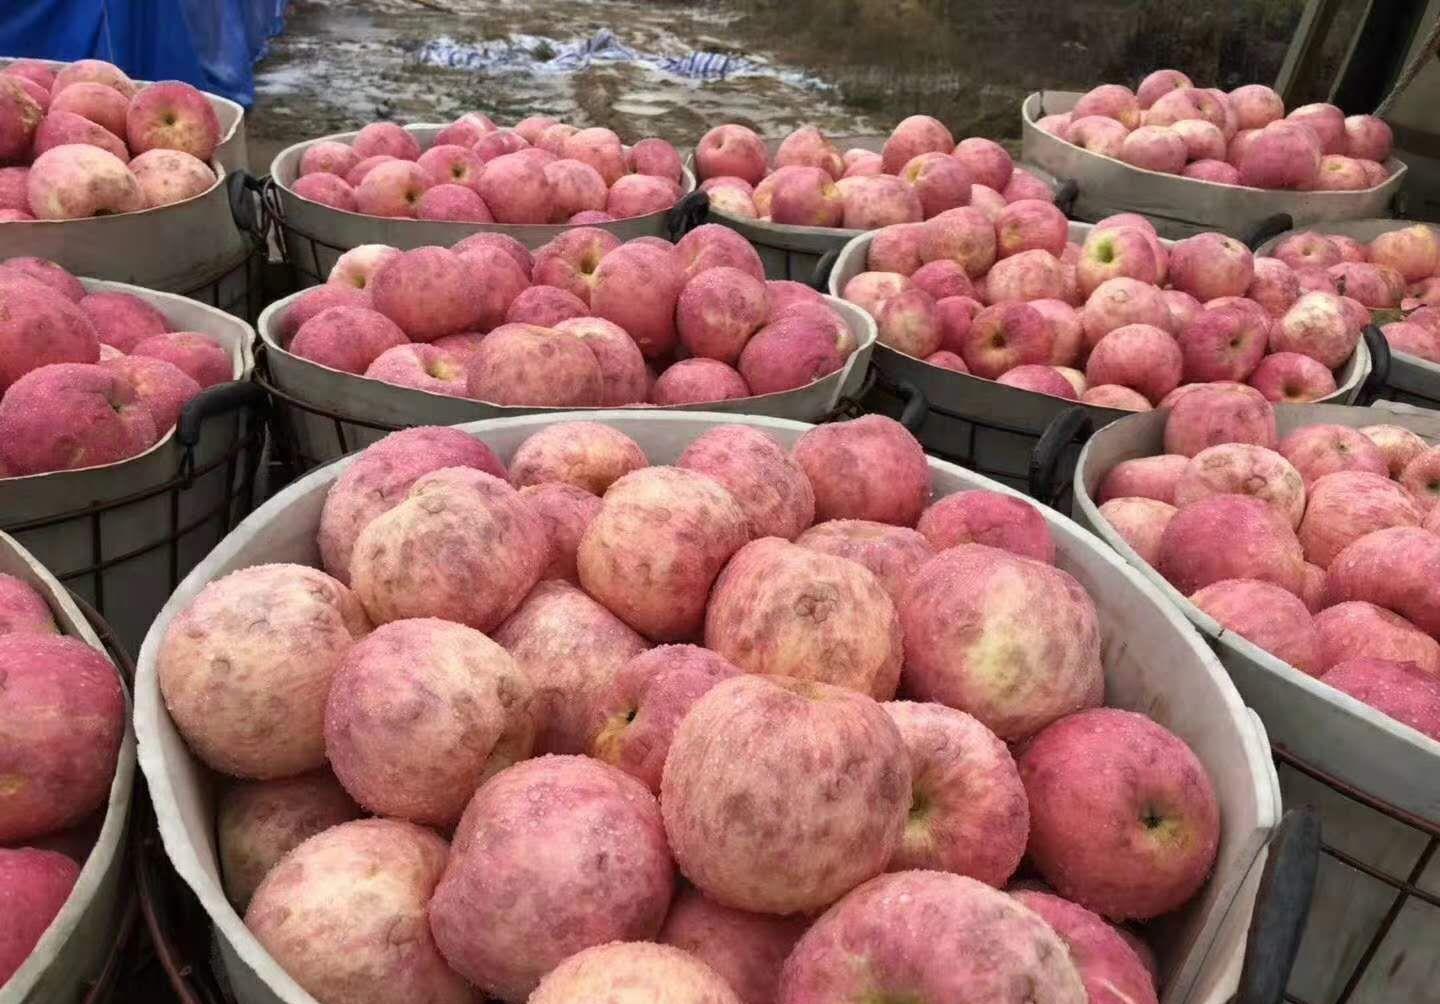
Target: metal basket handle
220 399
1065 195
1268 228
1379 376
1070 426
687 214
820 278
1282 907
244 191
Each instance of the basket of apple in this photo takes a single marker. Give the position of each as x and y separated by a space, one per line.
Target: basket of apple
123 431
433 185
1302 541
1393 268
515 673
124 181
800 197
1197 158
488 329
68 763
1004 325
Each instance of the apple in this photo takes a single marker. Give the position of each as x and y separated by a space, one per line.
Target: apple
1120 252
1030 224
1256 106
1230 537
1144 797
609 877
941 182
1143 477
1158 83
174 116
1004 336
1292 378
1316 325
1397 689
1326 121
863 795
1139 356
731 151
1140 522
1155 148
1121 301
1398 443
953 639
1222 344
1368 137
1244 469
1113 101
630 970
1359 630
1317 450
929 936
746 949
1266 616
1115 966
913 136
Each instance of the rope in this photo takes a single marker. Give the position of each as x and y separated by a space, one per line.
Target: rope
1412 69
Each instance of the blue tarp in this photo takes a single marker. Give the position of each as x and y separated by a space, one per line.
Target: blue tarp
212 44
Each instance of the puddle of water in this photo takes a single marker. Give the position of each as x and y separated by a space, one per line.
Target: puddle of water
848 66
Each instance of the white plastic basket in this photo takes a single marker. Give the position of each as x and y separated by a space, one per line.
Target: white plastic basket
314 235
1338 744
329 413
232 151
1154 663
74 949
1182 206
203 247
789 251
992 427
121 535
1411 380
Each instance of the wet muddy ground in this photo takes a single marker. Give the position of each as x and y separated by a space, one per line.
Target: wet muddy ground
849 66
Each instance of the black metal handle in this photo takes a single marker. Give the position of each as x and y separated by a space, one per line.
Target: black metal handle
1270 227
1070 425
217 400
687 214
913 407
245 191
220 399
1066 194
1379 377
820 278
1282 906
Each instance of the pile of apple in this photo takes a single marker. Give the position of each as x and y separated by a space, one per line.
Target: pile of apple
89 378
583 321
1244 137
62 716
585 671
1398 269
541 171
1121 321
920 173
69 136
1322 548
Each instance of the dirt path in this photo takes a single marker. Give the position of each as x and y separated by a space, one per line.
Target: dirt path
848 66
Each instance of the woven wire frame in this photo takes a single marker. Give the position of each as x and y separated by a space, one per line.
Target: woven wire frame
102 987
300 249
294 461
1404 887
966 442
239 463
